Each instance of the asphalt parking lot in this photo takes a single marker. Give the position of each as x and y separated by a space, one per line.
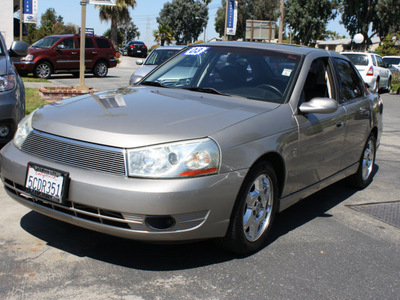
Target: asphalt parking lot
328 246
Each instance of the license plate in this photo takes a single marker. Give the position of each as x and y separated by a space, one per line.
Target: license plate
46 183
139 51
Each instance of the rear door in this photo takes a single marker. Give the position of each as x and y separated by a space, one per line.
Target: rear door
353 98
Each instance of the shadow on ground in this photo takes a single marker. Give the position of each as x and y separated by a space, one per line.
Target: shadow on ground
162 257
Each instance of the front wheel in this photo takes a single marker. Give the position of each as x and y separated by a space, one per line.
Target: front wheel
100 69
364 174
43 70
254 211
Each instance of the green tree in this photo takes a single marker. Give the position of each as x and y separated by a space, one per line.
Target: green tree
247 9
129 31
357 16
188 18
164 34
308 18
388 46
117 14
388 18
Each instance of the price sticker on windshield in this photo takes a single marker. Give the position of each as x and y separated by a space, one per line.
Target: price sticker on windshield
196 51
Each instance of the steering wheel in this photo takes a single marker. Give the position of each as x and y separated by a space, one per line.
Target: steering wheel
271 88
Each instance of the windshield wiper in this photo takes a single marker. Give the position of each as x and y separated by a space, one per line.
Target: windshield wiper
154 83
205 90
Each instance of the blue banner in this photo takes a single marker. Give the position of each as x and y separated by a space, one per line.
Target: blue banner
30 11
231 17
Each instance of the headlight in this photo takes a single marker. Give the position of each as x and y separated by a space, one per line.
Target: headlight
29 57
181 159
24 128
7 82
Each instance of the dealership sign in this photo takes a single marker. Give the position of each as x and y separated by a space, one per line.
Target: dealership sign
231 17
30 10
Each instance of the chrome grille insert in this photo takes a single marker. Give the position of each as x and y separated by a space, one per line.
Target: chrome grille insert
75 153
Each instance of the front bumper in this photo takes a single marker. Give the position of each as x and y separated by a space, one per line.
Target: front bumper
11 111
26 66
116 205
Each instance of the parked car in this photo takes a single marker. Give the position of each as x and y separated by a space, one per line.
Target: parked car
372 68
245 131
61 54
136 48
12 92
155 58
393 62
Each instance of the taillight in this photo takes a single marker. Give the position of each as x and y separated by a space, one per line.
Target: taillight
144 47
370 71
131 46
114 53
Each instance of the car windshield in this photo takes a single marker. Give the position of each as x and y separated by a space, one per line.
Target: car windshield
156 57
392 60
358 59
251 73
1 50
46 42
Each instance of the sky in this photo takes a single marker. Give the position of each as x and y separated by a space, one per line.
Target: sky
143 15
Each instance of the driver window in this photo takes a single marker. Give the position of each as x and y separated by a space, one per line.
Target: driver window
318 83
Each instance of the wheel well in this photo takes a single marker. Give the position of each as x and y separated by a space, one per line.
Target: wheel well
374 131
102 60
45 60
279 166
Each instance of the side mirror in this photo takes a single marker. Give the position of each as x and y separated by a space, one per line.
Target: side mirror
319 106
18 48
139 62
60 47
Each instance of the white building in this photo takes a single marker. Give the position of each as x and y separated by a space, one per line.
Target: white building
7 19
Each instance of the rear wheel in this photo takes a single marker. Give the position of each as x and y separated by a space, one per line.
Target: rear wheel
364 174
43 70
254 211
100 69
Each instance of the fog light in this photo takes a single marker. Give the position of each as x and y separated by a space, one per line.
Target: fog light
4 131
160 222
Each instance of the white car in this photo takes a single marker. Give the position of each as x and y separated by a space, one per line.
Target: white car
372 68
394 61
155 58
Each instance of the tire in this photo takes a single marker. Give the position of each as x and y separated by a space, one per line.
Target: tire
389 85
43 70
363 177
254 211
100 69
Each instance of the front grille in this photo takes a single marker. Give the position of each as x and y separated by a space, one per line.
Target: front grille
75 153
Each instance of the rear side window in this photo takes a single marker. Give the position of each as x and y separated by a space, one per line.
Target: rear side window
88 43
102 43
351 84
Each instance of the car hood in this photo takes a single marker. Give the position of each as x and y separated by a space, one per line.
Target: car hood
143 70
133 117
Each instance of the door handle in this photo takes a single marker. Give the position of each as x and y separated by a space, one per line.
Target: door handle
74 52
94 52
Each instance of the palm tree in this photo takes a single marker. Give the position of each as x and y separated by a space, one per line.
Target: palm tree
117 14
164 34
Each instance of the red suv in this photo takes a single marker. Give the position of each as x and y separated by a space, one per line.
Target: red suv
60 54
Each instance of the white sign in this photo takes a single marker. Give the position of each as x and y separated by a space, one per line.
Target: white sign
30 10
103 2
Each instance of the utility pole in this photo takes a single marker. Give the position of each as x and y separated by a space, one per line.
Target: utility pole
281 17
82 85
21 18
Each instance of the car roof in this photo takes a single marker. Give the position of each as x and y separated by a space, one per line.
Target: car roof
169 48
71 35
287 48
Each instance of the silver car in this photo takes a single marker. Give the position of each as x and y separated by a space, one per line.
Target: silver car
212 144
155 58
12 92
